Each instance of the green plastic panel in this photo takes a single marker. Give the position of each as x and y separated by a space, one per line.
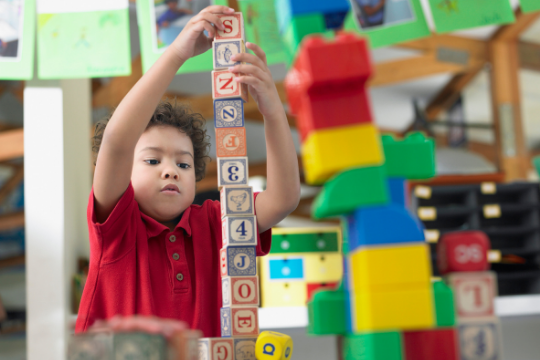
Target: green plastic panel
412 158
327 313
444 304
305 243
373 346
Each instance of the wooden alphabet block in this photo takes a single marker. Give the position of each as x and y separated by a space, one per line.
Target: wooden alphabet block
232 171
234 27
228 113
216 349
231 142
224 86
463 251
236 201
239 231
224 50
239 322
238 261
244 348
272 345
480 340
240 291
474 293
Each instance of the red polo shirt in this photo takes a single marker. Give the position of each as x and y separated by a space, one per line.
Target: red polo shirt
138 266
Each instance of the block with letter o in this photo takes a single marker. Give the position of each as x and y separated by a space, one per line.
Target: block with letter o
240 291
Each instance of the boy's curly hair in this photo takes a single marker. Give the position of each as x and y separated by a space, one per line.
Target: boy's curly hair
179 116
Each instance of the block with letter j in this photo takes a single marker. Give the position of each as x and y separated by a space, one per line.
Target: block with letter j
238 261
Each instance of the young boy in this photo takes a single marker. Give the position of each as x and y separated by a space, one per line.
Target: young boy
152 252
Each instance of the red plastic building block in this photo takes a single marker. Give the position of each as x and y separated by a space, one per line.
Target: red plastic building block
463 251
326 86
311 287
440 344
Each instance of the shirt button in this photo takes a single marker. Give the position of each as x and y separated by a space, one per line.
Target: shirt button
172 238
179 277
175 256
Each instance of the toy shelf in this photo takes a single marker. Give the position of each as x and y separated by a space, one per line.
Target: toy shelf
508 213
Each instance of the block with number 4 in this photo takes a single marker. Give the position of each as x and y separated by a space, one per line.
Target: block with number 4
223 52
240 291
239 231
216 349
228 113
474 293
238 261
236 201
232 171
225 87
231 142
234 27
239 322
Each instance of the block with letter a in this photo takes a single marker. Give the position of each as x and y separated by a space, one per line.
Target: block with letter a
239 230
234 27
238 261
225 87
228 113
240 291
231 142
236 201
474 293
216 349
232 171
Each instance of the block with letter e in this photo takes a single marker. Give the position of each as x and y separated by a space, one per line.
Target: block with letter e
225 87
231 142
239 230
242 322
232 171
233 27
216 349
236 201
238 261
228 113
240 291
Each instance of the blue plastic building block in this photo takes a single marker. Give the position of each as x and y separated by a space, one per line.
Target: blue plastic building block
287 9
390 224
398 191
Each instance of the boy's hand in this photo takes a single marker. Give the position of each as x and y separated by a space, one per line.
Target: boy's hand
258 77
192 41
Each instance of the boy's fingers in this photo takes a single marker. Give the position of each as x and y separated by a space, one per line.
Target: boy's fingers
249 80
258 51
211 18
249 58
217 9
250 69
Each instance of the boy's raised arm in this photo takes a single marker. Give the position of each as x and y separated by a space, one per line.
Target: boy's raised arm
282 192
115 159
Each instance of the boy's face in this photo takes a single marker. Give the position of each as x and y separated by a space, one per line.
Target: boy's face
163 175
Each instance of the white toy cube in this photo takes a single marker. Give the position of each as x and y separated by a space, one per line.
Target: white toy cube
232 171
224 86
216 349
474 293
228 113
234 27
240 291
224 50
480 339
239 230
238 261
239 322
236 201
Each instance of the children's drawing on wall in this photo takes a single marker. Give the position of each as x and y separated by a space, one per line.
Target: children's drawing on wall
170 17
372 14
11 25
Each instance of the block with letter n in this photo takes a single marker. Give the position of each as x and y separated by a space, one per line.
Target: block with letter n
228 113
225 87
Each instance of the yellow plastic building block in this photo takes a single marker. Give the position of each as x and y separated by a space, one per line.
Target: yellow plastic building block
272 345
389 267
326 152
276 294
395 309
323 268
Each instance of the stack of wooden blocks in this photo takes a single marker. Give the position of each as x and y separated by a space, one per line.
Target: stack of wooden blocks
462 258
240 289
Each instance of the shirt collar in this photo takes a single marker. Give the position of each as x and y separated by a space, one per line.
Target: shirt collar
154 228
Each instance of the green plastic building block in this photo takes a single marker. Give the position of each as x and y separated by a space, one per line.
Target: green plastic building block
536 163
412 158
373 346
326 313
445 311
350 189
305 242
